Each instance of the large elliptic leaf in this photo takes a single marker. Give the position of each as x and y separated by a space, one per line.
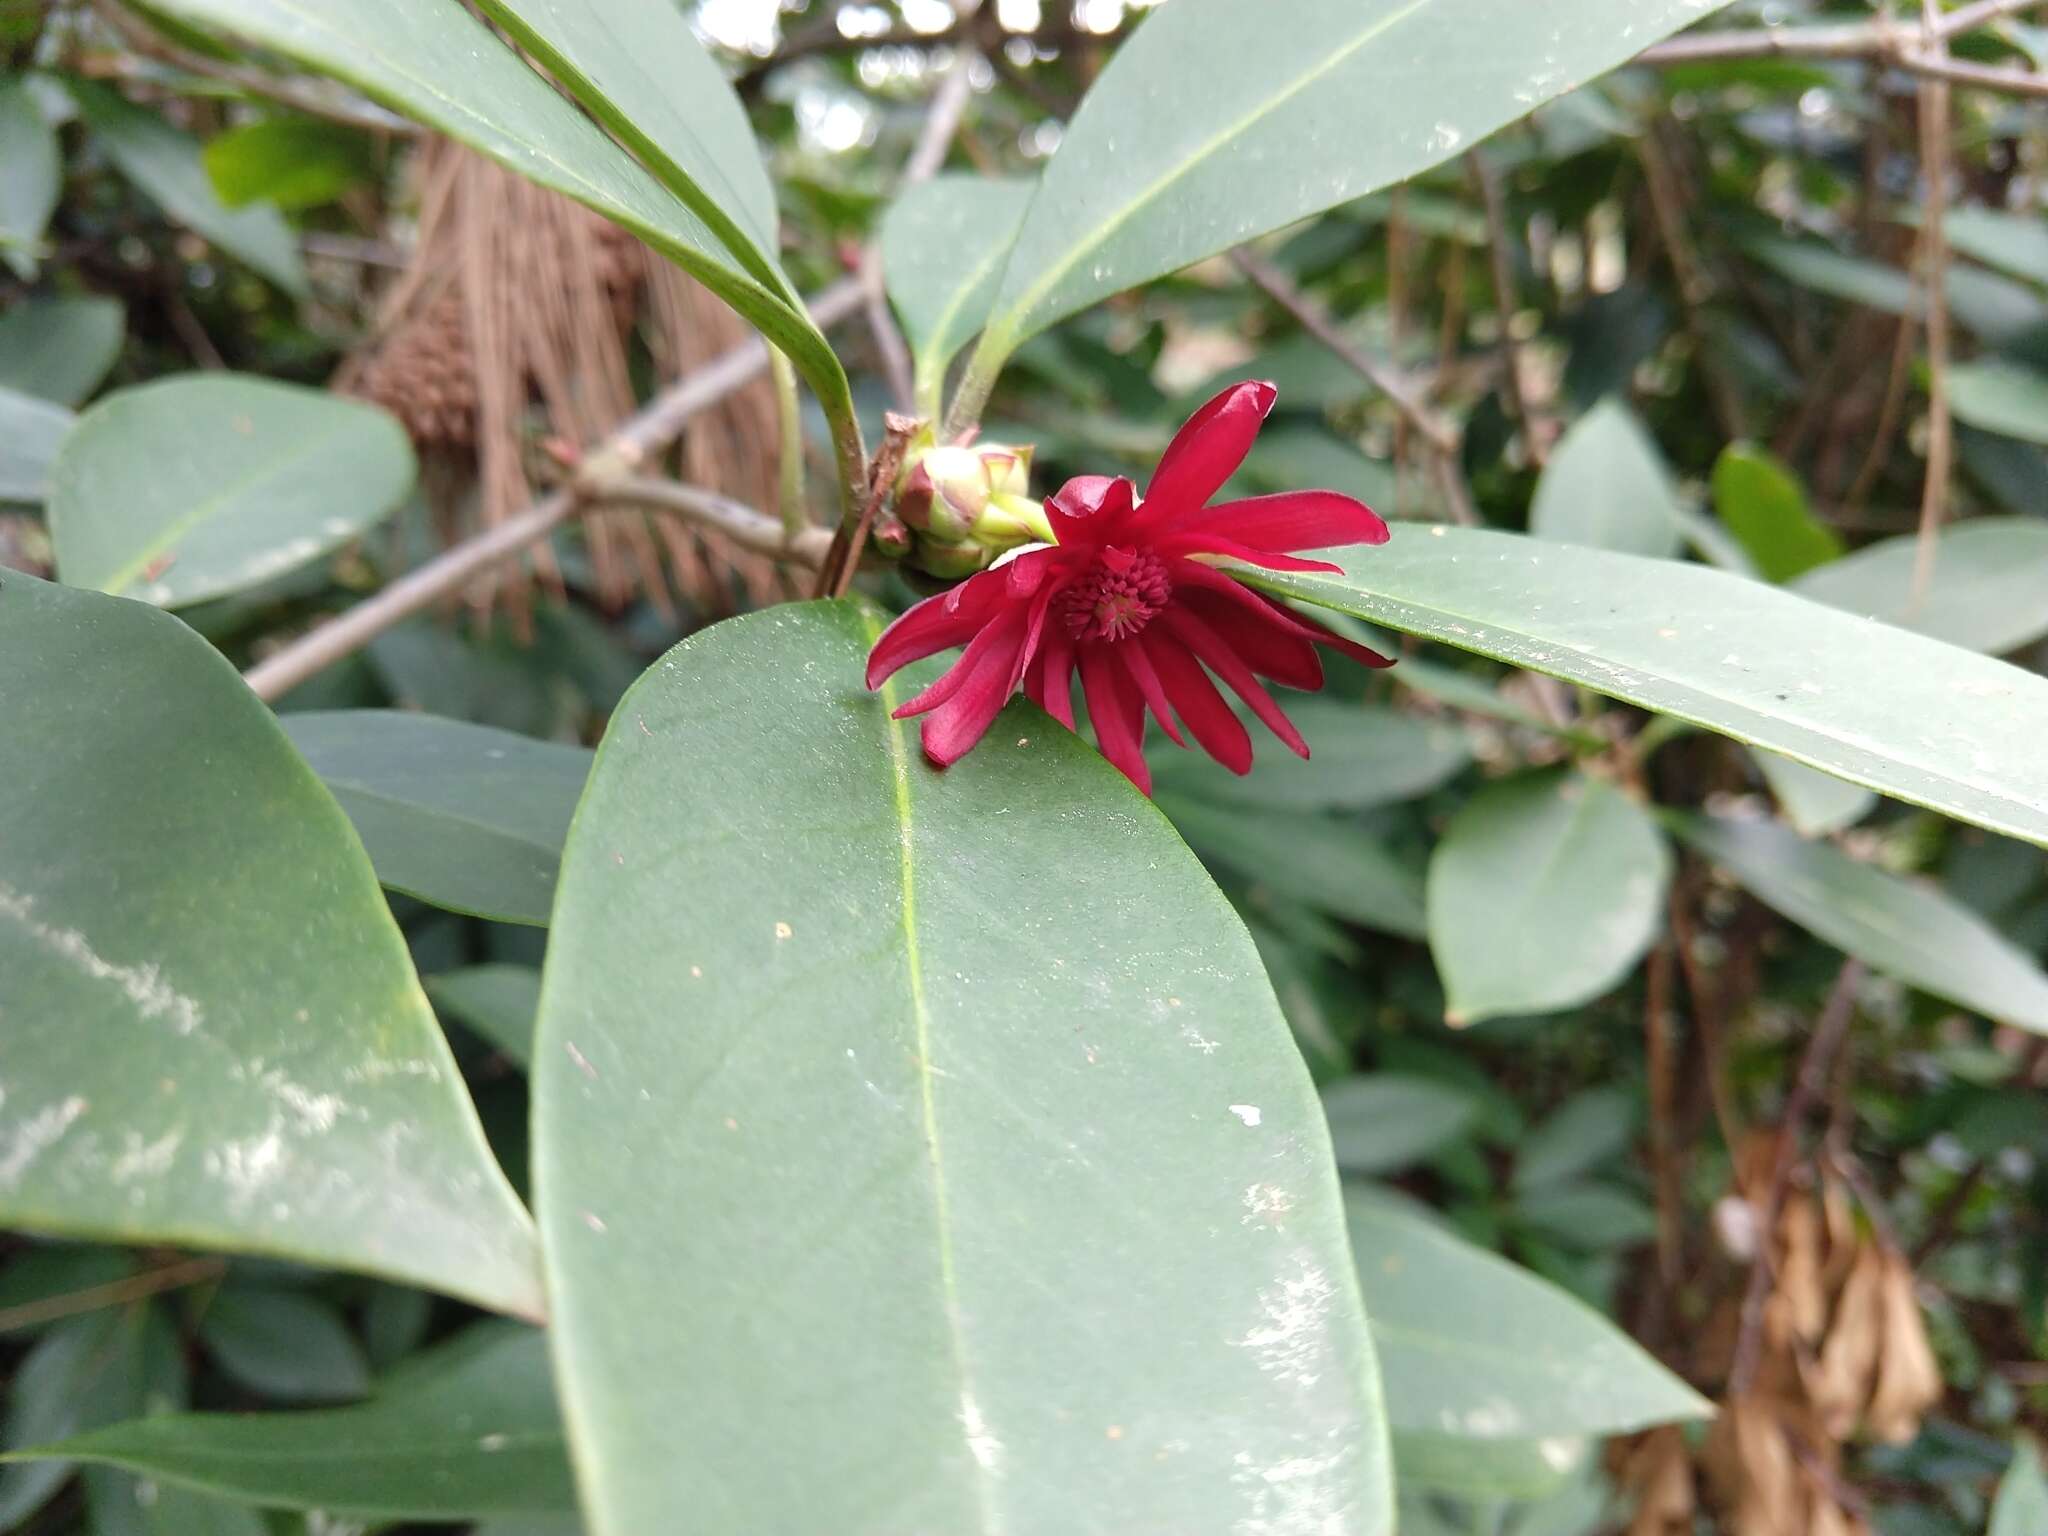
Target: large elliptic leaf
1997 396
1544 893
31 174
442 66
1985 590
1905 928
469 1429
463 816
1214 123
198 486
1472 1346
1362 755
1908 716
215 1037
943 244
30 430
877 1113
1607 485
59 349
165 163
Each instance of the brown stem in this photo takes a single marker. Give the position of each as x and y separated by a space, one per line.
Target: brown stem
1501 265
113 1294
1934 166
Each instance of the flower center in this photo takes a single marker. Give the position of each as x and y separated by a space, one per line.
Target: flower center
1118 596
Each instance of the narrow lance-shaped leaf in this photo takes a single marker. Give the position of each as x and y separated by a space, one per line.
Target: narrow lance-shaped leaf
1907 716
848 1121
1607 485
1214 124
943 246
214 1034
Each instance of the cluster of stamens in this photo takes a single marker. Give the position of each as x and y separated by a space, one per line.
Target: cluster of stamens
1118 596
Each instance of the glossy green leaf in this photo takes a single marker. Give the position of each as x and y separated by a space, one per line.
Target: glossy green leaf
468 1429
1389 1120
31 174
1332 864
1985 590
1607 485
943 246
2010 399
2021 1508
1211 124
289 1347
59 349
1587 1129
443 67
205 484
1363 755
840 1061
221 1040
1816 803
1473 1346
463 816
1902 927
1924 722
1761 502
30 431
164 163
499 1001
288 162
1544 893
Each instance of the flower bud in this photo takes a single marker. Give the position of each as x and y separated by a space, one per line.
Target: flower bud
949 561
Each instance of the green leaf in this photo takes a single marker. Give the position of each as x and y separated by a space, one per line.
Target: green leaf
1585 1130
499 1001
59 349
283 1345
463 816
1391 1120
1816 803
943 245
443 67
1901 927
1853 279
288 162
1212 125
221 1040
1472 1346
1332 864
1485 1469
1607 485
2021 1508
205 484
30 430
1364 755
1762 503
2010 399
1544 893
31 175
165 163
468 1429
1904 715
2012 242
1586 1217
1985 591
842 1061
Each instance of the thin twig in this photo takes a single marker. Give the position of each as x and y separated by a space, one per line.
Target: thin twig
1881 39
1813 1070
1657 1019
614 461
1695 287
751 530
843 559
115 1293
1501 265
1934 169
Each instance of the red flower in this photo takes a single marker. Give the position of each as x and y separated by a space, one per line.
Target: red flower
1128 596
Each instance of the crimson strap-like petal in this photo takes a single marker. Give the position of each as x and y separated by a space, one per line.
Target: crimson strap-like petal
1230 666
1216 544
1270 650
1090 509
1204 711
934 625
1265 609
1288 521
986 684
1050 683
1205 452
1116 712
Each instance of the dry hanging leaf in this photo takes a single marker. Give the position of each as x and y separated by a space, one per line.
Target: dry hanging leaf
1658 1470
1803 1303
1908 1377
1839 1383
1758 1478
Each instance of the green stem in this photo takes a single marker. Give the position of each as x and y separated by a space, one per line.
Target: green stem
979 381
789 411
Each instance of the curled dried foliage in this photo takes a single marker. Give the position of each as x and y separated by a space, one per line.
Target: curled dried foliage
1656 1471
507 344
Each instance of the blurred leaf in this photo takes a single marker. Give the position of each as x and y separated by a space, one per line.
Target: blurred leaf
1762 503
59 349
2013 242
1332 864
165 164
1855 279
1985 591
1876 705
1475 1347
1998 396
204 484
46 1272
1364 755
289 162
767 1059
468 1429
500 1002
221 1040
285 1346
31 175
1386 1121
1607 485
30 430
1544 893
459 815
1485 1469
1287 457
1586 1130
943 244
1904 928
2022 1505
1586 1217
1259 112
1814 802
125 1505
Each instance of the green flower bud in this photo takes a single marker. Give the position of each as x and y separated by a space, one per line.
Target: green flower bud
949 561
